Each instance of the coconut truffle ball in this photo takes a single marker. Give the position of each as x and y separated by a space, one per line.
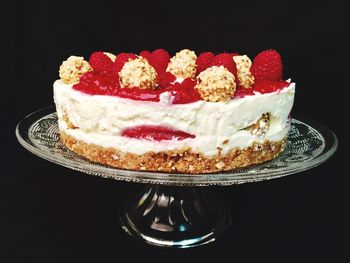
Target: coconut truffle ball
72 69
245 77
110 55
138 73
216 84
183 64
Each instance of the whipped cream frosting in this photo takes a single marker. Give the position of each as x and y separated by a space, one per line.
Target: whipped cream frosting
218 126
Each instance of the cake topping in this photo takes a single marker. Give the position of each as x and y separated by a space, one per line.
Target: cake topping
225 59
165 79
244 75
72 69
267 65
120 60
183 64
146 54
216 84
96 83
220 77
204 61
242 92
159 59
100 62
267 86
110 55
138 73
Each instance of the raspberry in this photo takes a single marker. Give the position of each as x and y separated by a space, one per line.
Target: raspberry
165 79
188 83
234 54
267 65
226 60
120 60
185 92
159 59
146 54
100 62
204 61
87 79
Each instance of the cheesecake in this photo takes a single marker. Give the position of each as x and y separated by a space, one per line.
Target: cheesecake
179 114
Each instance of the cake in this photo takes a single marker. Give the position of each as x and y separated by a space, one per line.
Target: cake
179 114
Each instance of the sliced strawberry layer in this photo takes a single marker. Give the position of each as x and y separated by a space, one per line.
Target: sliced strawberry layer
156 133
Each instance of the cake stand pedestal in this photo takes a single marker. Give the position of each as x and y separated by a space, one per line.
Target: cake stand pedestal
176 216
174 210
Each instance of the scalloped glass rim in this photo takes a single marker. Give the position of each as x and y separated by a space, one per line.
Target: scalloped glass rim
320 135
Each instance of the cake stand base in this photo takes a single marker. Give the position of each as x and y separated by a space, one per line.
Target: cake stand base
179 215
171 216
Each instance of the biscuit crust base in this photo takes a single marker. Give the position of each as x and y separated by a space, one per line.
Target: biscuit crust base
176 161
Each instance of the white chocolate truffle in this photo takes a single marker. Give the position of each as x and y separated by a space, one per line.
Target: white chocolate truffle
216 84
245 77
183 64
110 55
72 69
138 73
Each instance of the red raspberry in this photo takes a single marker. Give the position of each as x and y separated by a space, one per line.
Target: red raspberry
204 61
188 83
159 60
87 79
267 65
234 54
120 60
146 54
185 92
100 62
226 60
165 79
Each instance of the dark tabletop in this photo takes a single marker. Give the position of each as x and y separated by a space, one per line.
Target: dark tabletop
49 213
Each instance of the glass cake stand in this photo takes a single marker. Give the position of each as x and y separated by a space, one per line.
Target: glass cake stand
173 211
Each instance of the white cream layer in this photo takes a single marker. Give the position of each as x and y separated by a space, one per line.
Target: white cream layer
101 119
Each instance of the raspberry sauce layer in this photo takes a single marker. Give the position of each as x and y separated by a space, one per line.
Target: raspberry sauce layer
104 84
156 133
268 86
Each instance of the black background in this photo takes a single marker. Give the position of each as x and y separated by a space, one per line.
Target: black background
52 214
